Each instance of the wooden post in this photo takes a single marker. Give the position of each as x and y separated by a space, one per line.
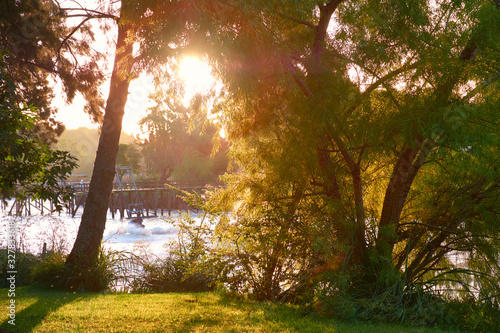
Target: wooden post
161 201
170 201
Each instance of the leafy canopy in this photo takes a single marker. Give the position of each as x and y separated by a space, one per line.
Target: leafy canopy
28 167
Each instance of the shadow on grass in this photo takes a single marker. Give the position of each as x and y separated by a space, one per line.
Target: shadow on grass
288 318
44 301
258 316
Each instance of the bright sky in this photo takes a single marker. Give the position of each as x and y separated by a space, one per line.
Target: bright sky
195 74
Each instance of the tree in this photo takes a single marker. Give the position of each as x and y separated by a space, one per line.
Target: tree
28 167
43 49
163 148
128 155
180 145
376 124
87 244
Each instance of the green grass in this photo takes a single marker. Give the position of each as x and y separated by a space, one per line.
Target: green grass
41 310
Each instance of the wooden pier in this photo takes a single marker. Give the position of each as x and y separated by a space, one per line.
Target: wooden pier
148 198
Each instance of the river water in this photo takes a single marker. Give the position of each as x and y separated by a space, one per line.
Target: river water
58 232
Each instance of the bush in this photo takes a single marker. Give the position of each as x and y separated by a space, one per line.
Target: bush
109 271
187 267
171 275
337 295
265 255
48 269
24 263
469 315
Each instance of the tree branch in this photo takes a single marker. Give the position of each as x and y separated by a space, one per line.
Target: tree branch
113 17
87 11
303 195
297 78
379 82
355 173
326 12
353 148
64 41
483 84
299 21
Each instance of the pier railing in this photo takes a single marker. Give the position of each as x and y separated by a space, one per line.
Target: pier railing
83 186
151 197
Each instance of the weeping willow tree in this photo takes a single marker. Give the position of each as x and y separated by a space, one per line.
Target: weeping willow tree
366 135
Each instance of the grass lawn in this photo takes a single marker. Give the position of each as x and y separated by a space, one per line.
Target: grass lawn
39 310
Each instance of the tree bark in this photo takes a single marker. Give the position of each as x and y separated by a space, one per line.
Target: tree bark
408 165
354 235
88 241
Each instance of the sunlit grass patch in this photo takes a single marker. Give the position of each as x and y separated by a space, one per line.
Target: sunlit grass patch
40 310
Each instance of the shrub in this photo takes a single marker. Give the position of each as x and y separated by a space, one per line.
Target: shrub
469 315
266 255
112 268
24 263
410 303
186 268
48 269
336 295
171 275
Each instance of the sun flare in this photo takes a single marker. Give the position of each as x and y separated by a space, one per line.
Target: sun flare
196 76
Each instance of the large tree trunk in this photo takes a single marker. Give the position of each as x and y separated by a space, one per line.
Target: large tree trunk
408 165
88 241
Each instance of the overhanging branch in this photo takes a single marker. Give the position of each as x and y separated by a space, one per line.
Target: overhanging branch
299 21
88 13
379 82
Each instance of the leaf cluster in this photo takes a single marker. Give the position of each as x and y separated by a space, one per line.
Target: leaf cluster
28 166
43 49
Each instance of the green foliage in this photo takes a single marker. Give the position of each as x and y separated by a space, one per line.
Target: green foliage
470 316
397 164
187 267
171 275
110 268
128 155
42 46
265 252
398 302
415 304
49 269
28 166
194 166
180 145
43 49
23 263
265 255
